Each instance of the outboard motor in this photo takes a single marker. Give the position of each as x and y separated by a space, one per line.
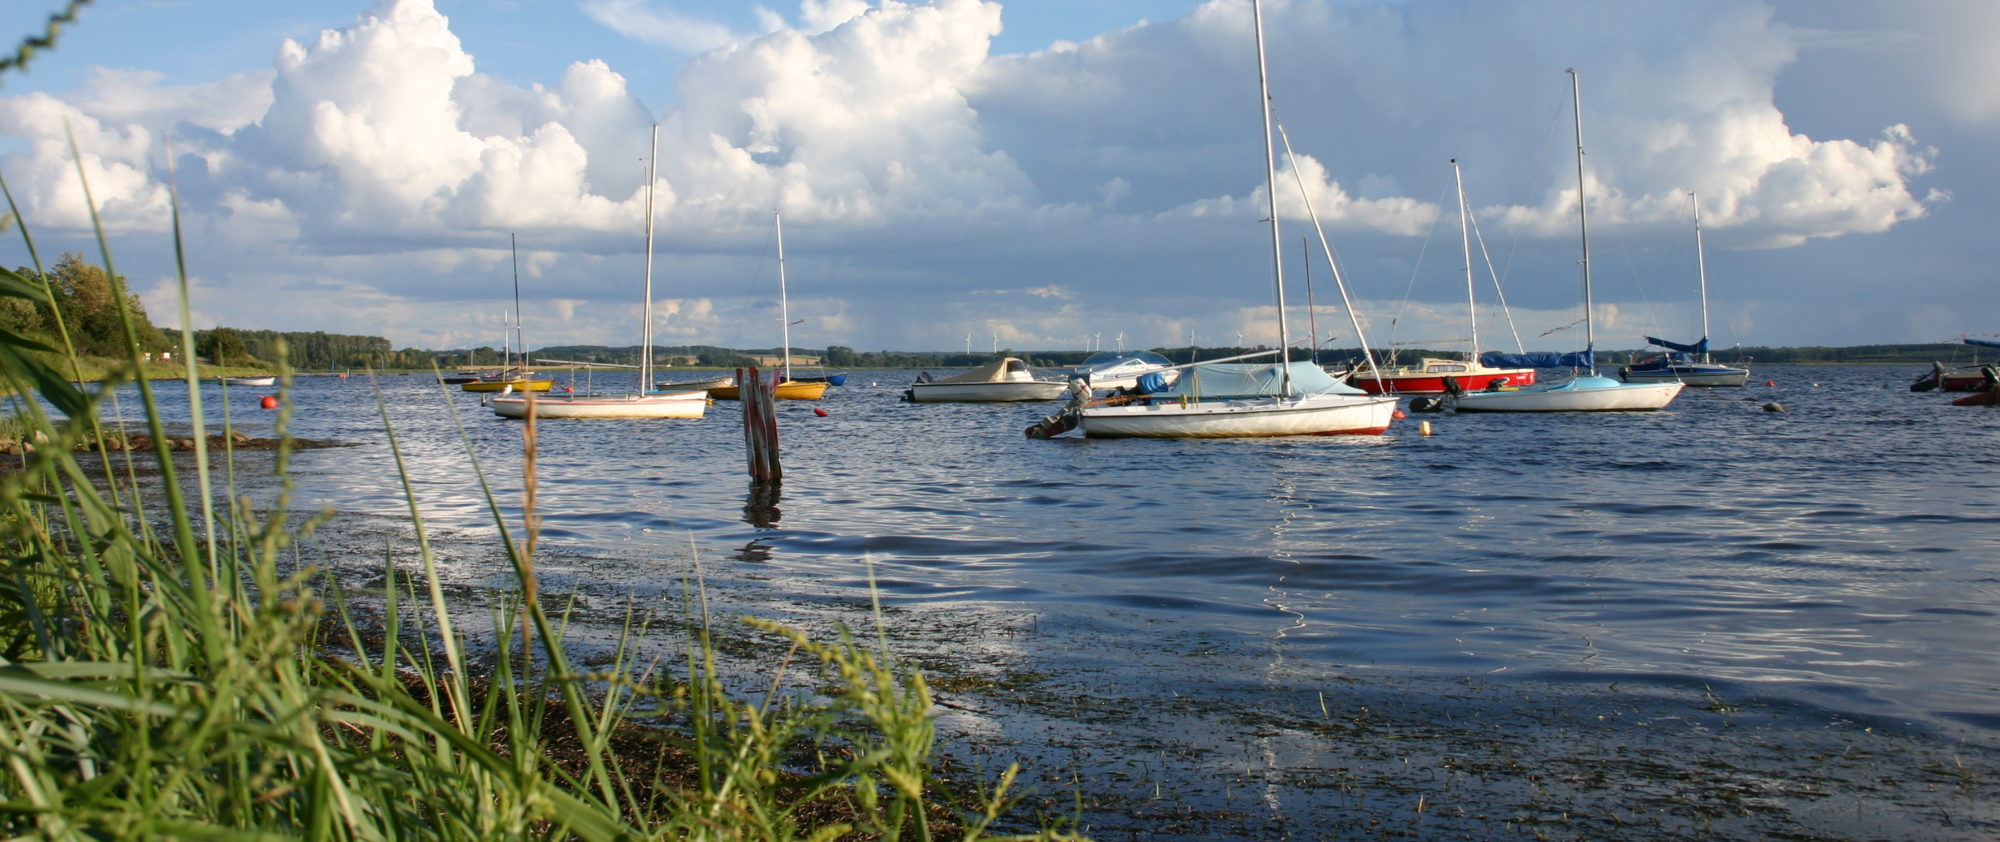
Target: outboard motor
1930 381
1451 386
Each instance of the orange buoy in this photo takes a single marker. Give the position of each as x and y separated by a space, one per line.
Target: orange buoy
269 402
819 412
1770 382
1400 416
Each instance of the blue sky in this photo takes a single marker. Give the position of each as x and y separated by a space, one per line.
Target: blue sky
1035 174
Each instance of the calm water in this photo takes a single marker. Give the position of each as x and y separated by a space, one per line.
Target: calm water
1833 568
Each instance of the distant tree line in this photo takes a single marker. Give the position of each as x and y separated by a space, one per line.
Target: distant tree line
79 300
303 350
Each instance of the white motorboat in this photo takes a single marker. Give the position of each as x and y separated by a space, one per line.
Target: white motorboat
1002 380
1106 370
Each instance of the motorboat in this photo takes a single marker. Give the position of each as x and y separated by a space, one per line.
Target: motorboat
1107 370
1005 379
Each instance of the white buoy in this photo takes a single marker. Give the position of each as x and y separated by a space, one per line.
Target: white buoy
1424 428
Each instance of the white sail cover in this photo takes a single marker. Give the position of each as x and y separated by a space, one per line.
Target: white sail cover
1229 380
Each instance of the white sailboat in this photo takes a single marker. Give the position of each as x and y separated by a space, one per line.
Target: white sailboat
1434 375
1680 362
787 388
1216 400
1587 391
643 403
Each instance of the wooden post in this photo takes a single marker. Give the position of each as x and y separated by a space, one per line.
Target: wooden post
760 423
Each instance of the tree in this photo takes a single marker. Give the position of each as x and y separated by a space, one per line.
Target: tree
220 346
87 301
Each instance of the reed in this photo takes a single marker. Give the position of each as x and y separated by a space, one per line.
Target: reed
171 665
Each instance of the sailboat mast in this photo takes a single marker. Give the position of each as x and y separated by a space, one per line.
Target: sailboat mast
518 339
1312 316
784 309
1701 270
1583 220
1465 239
646 319
1271 193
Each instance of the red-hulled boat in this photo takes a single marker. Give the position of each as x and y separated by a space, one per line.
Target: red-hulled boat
1427 377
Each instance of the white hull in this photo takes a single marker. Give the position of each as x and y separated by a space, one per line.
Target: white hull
1584 394
1035 390
1720 376
251 381
1312 416
671 405
697 385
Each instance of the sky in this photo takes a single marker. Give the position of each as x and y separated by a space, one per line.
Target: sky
1025 174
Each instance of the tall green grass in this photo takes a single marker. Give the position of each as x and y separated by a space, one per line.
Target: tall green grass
170 667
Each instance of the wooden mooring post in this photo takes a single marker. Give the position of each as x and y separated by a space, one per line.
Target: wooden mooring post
760 423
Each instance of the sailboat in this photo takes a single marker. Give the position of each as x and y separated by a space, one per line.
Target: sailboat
788 389
643 403
511 378
1679 362
1587 391
1429 375
1216 400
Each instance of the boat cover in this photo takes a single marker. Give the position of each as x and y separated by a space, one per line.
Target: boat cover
998 371
1986 342
1541 359
1697 348
1220 380
1152 382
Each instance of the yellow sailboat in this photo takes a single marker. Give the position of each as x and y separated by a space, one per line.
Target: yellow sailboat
788 389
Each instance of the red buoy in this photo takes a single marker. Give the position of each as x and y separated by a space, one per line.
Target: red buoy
1770 382
1400 416
269 402
819 412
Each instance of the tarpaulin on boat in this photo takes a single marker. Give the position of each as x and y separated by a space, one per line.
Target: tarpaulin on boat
1153 382
1986 342
998 371
1697 348
1222 380
1541 359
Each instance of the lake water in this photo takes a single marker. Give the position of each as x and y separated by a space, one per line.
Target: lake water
1711 621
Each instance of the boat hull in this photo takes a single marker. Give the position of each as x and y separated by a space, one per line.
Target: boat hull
790 390
696 385
501 385
1320 415
672 405
999 392
1692 375
1961 381
1433 383
1986 398
1583 394
250 381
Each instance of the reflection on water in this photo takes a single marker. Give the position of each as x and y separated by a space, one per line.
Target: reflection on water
760 507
